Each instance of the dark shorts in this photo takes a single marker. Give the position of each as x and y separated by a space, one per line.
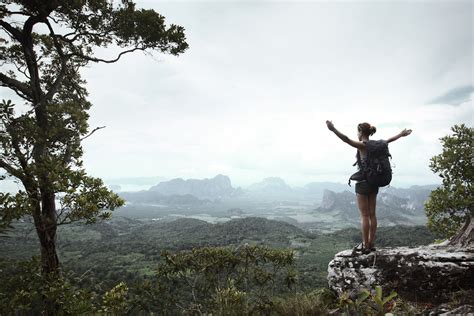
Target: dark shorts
365 188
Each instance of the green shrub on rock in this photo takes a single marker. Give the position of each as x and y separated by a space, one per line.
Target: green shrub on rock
452 204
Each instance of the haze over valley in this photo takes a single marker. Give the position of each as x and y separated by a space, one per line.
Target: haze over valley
317 206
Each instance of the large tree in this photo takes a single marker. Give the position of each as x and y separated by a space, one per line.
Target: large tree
43 45
452 204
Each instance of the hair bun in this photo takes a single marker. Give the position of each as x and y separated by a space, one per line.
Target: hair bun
373 129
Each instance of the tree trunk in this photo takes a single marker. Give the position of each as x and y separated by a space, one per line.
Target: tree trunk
465 235
47 237
49 257
46 226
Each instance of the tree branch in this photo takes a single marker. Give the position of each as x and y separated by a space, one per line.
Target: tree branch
13 31
76 35
19 155
55 86
11 170
59 214
14 12
19 87
92 132
30 59
30 22
20 70
108 61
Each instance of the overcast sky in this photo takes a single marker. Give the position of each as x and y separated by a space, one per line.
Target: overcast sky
250 97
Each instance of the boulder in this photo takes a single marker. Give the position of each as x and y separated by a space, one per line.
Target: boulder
428 273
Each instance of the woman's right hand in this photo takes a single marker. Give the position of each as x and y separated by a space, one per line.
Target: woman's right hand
330 125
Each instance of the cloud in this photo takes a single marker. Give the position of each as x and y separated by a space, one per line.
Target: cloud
250 97
455 96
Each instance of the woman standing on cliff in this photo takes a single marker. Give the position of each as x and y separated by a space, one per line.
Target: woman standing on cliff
366 193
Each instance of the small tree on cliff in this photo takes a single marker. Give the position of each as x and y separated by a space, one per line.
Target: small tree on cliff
43 45
451 205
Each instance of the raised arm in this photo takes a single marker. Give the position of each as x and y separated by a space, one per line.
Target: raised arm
403 133
344 138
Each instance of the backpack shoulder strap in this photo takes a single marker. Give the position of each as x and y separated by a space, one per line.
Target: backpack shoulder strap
358 160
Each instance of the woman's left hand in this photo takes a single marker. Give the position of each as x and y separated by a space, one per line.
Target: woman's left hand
406 132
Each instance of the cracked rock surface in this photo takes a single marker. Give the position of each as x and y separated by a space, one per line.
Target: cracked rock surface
420 273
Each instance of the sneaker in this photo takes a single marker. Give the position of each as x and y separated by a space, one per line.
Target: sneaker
358 249
366 251
372 249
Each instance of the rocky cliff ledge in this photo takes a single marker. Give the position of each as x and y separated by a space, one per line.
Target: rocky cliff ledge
427 273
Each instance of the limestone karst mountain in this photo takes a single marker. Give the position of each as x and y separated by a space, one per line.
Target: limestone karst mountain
271 184
391 209
273 189
338 201
214 188
415 194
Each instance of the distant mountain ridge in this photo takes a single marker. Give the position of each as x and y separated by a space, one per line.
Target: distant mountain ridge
410 201
214 188
271 184
273 188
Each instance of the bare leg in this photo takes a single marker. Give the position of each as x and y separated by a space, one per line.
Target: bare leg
372 202
363 202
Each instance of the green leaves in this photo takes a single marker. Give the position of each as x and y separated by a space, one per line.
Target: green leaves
381 305
450 205
13 207
146 29
217 278
363 295
115 300
367 302
23 289
456 160
87 199
100 23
